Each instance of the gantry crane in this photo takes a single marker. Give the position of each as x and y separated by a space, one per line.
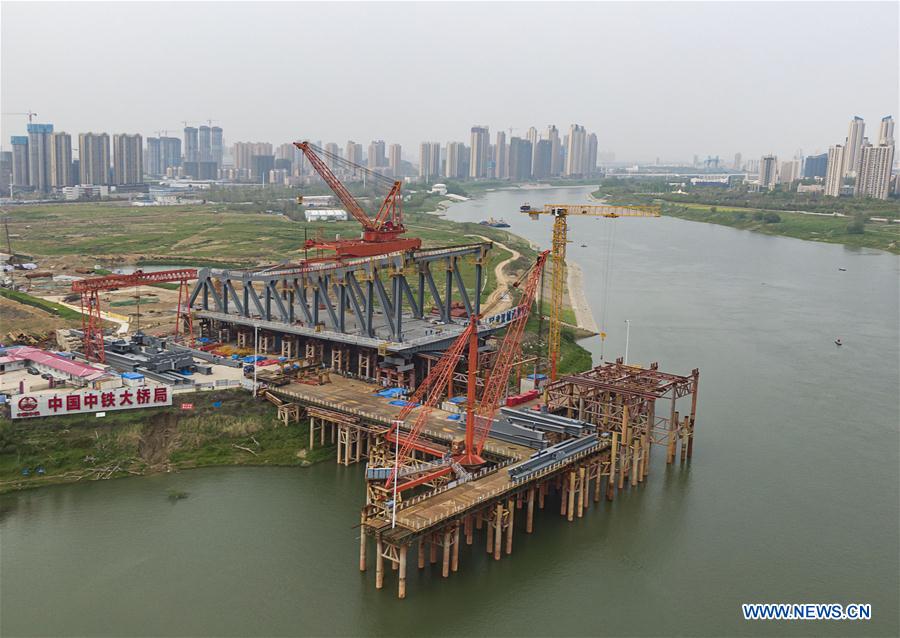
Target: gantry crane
381 234
92 322
464 455
560 237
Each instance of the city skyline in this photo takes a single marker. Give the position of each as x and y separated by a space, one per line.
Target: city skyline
639 110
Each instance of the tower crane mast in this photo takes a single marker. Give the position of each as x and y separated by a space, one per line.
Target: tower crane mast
560 213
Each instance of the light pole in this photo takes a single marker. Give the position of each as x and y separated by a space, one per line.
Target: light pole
627 338
256 353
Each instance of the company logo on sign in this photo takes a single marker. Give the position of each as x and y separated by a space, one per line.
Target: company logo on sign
36 405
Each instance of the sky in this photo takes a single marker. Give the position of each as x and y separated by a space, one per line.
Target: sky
653 80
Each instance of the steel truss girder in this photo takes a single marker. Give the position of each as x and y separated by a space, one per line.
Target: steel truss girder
336 287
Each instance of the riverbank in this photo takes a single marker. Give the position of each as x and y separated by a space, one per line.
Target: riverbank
227 427
860 231
576 300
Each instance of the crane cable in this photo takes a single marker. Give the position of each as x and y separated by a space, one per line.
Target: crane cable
606 280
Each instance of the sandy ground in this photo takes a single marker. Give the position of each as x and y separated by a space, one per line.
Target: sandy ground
577 300
500 295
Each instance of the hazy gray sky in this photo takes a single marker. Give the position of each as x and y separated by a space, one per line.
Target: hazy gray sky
651 79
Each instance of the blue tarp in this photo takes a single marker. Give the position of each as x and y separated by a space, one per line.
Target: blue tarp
392 392
457 399
132 375
454 417
253 358
537 376
403 403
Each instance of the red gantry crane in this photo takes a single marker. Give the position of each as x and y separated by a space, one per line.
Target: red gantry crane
479 415
90 289
381 234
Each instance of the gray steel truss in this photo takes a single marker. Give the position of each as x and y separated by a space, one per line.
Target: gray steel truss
366 301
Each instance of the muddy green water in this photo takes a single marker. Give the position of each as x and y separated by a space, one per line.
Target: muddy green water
792 494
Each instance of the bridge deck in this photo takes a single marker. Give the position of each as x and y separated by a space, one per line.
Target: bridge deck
358 397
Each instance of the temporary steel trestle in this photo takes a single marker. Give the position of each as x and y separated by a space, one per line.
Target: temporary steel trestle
617 400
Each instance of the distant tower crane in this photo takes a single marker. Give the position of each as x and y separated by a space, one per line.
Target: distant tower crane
381 234
31 114
560 213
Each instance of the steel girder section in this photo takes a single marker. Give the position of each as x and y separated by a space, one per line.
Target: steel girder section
337 287
461 287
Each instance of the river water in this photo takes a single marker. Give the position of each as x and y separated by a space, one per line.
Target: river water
792 494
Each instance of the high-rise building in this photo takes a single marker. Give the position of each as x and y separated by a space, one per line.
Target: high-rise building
191 144
456 162
39 156
395 158
429 160
204 140
575 155
886 131
153 158
501 157
354 152
556 163
61 160
533 137
541 161
519 159
768 171
261 167
5 172
874 176
815 166
217 148
93 154
376 158
853 146
19 161
170 153
737 162
789 171
590 154
834 177
128 165
243 153
478 152
332 153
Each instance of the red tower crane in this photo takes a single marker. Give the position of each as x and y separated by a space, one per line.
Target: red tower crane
479 415
90 289
381 234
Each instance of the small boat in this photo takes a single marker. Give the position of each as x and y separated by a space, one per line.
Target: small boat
838 342
584 245
842 269
494 223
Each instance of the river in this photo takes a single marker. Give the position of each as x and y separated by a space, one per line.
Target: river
792 494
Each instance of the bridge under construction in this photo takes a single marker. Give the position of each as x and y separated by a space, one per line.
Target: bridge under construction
385 348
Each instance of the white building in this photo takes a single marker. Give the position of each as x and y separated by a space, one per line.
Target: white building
325 215
834 174
853 146
873 178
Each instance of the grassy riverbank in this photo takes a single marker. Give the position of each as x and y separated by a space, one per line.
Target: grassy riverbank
241 431
812 217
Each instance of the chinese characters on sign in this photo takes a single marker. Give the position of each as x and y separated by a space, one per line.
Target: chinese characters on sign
37 405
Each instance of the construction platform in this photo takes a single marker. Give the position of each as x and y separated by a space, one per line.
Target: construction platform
619 403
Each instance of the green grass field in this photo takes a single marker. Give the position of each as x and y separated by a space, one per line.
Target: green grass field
826 228
47 306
